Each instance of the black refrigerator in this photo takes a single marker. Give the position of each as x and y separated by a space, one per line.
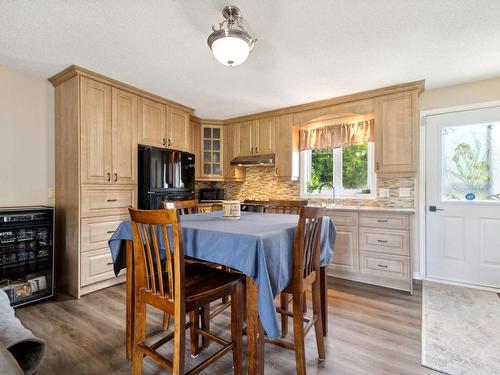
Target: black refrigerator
164 175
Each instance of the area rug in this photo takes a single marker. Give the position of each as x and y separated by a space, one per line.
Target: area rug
460 330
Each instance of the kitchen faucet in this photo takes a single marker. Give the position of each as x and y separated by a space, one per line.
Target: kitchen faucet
333 189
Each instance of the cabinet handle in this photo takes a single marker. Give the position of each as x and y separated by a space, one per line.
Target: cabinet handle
116 177
252 150
382 221
112 200
169 141
109 176
111 231
234 173
276 171
377 166
109 263
382 241
382 265
164 142
256 148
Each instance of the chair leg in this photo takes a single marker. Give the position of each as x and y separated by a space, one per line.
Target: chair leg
237 327
284 318
305 303
205 324
226 298
166 321
318 325
194 317
298 332
139 336
179 342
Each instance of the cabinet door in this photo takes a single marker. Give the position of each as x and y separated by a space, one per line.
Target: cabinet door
177 129
345 256
195 148
95 132
245 138
151 123
124 137
287 149
396 130
231 172
212 152
265 130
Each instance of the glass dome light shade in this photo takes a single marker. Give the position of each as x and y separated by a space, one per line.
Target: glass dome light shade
230 50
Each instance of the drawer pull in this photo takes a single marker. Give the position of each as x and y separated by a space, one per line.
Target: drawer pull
109 263
111 231
112 200
382 241
382 220
382 265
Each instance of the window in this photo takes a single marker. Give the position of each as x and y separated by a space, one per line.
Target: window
349 168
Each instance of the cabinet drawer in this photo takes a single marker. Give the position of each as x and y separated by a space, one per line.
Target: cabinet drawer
97 265
343 217
102 201
95 232
384 241
383 220
395 267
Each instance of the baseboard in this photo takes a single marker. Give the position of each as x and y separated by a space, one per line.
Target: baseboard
416 276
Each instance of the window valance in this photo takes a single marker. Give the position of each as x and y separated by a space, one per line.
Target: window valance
345 133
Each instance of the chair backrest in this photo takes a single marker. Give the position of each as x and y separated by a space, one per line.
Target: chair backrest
184 207
150 231
306 257
285 206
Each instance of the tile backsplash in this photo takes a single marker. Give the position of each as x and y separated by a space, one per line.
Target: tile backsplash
260 183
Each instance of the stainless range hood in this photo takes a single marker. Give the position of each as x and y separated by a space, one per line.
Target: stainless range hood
254 161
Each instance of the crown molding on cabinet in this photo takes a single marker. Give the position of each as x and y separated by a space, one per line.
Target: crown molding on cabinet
75 70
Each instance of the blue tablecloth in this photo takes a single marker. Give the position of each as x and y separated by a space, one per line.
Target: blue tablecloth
258 245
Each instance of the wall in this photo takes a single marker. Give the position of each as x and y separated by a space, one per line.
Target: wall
463 94
26 139
260 183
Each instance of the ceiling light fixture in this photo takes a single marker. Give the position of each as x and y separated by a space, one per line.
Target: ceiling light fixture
231 44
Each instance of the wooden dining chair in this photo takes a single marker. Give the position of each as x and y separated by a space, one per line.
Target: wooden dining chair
178 289
306 271
184 207
285 206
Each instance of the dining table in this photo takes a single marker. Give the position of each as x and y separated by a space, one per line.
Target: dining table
259 245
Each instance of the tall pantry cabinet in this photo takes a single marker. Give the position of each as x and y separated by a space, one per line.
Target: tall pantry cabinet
96 139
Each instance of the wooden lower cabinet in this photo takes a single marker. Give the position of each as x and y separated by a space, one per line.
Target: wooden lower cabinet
372 247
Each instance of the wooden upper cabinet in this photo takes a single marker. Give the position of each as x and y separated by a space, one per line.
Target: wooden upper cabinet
231 172
265 130
96 164
151 128
287 148
245 138
396 128
124 137
177 129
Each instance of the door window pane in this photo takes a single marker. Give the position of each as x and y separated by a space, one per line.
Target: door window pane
471 162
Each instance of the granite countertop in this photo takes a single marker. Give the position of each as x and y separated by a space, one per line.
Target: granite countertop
370 209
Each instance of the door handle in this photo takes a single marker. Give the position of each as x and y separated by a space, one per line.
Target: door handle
109 176
164 143
434 209
169 142
256 148
116 177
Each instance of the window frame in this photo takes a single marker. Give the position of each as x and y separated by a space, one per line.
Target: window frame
305 170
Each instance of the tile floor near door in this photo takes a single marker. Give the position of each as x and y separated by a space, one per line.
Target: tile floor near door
372 330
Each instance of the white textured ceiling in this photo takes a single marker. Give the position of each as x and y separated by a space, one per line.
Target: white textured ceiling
307 49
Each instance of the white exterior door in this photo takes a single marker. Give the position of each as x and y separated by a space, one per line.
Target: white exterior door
463 197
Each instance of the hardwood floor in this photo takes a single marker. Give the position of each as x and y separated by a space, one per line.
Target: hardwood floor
372 330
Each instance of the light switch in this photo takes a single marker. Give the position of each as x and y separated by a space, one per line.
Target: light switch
384 192
52 192
404 192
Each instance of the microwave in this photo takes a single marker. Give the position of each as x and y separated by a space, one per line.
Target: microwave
210 194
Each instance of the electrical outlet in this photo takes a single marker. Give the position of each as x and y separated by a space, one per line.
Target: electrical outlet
52 192
384 192
404 192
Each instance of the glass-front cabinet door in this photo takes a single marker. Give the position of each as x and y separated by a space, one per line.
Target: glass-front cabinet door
211 158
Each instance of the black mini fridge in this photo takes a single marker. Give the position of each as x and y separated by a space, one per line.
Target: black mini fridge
27 253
